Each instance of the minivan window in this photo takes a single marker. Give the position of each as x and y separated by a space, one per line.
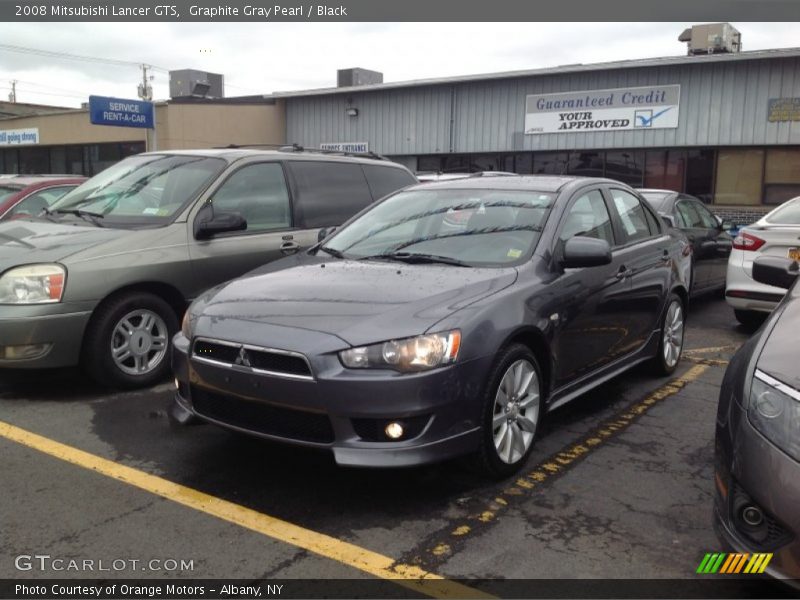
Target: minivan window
257 192
328 193
142 190
385 180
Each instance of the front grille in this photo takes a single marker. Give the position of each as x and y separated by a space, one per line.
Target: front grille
262 418
278 362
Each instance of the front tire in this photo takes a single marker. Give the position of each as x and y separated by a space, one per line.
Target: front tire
512 408
127 342
670 339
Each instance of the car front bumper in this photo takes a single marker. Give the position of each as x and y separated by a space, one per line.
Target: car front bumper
57 331
746 463
342 410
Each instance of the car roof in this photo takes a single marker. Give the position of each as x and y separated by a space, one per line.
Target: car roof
234 154
655 191
41 180
531 183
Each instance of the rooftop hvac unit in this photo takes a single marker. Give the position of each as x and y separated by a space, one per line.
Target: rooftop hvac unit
190 83
357 76
712 38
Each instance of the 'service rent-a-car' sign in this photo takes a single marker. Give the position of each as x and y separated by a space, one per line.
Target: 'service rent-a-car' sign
120 112
650 107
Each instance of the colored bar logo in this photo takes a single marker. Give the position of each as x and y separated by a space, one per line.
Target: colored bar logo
724 563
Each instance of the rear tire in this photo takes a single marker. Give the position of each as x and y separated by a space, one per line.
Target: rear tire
670 338
749 318
513 405
127 342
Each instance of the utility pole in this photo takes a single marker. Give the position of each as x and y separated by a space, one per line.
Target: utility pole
12 97
146 93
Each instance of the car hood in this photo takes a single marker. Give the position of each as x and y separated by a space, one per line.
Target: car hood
359 302
26 241
779 356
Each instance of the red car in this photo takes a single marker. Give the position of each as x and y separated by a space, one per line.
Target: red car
28 195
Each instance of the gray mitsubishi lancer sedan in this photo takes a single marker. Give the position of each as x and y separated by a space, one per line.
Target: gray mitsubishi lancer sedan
103 276
444 320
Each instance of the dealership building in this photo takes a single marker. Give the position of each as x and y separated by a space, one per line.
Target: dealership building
718 123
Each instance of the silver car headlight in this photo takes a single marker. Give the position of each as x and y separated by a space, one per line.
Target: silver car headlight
33 284
407 355
774 410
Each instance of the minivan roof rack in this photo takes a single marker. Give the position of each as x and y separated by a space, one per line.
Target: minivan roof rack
298 148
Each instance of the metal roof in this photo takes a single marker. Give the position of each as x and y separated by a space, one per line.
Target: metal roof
561 69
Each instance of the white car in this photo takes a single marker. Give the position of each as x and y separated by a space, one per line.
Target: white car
775 234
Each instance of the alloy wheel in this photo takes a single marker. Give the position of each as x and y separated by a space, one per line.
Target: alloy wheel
139 342
516 411
672 338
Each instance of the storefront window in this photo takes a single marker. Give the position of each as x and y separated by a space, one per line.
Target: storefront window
739 175
491 162
34 161
700 174
523 163
586 164
626 166
58 160
781 175
10 161
664 169
550 163
74 160
429 163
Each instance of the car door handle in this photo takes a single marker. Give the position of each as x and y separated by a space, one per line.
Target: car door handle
289 247
665 256
623 273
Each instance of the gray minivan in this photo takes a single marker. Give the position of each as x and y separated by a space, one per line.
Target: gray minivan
102 278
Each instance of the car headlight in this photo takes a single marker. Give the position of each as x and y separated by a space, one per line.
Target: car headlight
186 325
774 410
406 355
32 284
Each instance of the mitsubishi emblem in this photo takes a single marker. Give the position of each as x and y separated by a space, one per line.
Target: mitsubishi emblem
242 358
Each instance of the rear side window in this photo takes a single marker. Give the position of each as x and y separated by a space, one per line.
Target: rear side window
787 214
631 215
385 180
36 203
328 193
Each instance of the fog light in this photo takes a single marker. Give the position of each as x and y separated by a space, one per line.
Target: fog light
752 515
394 430
177 384
22 352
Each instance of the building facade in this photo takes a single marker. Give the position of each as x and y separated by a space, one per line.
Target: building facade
722 127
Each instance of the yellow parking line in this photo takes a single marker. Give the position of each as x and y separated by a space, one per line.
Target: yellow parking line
323 545
691 351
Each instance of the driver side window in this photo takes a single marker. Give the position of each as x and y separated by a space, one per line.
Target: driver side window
588 217
257 192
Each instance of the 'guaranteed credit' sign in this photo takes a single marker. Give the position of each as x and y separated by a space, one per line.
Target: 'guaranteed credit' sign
18 137
120 113
651 107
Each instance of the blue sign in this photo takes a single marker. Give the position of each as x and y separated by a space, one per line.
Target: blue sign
120 112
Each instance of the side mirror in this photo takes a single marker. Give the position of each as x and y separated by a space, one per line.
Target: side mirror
727 225
669 220
325 232
776 271
585 252
207 223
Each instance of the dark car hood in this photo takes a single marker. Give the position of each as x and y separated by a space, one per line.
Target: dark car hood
360 302
26 241
779 357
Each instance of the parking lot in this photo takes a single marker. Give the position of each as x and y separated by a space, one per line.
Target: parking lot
619 485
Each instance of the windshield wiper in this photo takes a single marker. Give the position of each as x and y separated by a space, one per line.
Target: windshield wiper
332 251
413 258
86 215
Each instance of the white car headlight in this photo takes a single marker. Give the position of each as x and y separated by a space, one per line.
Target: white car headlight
407 355
774 410
32 284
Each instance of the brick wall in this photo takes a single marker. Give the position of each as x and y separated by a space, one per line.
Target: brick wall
740 215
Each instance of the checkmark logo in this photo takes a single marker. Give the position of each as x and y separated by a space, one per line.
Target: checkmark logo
645 118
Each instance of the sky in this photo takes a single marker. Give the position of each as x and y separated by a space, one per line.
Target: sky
261 58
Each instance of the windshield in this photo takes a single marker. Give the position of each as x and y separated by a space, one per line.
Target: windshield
142 190
6 191
475 227
786 214
656 199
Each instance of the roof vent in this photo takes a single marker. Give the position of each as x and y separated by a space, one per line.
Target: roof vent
190 83
713 38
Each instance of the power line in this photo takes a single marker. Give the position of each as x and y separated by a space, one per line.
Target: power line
68 56
43 93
